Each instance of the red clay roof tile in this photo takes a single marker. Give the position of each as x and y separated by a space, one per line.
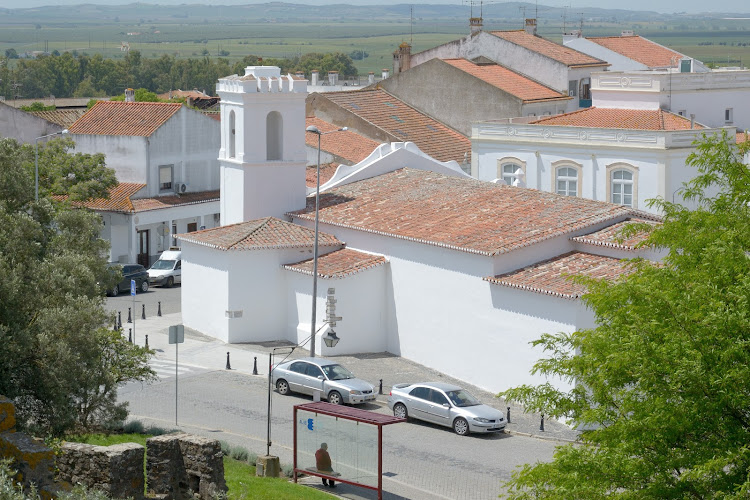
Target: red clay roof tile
63 117
174 200
119 198
124 118
339 264
641 50
348 144
566 55
611 237
634 119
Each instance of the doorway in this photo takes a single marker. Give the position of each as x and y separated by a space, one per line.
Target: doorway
143 249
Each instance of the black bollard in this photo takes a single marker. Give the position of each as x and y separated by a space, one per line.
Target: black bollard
255 365
158 312
115 328
508 414
229 367
541 426
130 335
119 320
380 389
129 318
146 341
143 311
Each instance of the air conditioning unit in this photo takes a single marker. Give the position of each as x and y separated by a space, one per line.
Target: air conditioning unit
180 188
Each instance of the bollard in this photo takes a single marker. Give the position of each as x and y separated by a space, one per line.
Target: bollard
130 320
508 414
115 328
229 367
143 312
255 365
130 335
146 341
158 312
380 389
119 320
541 426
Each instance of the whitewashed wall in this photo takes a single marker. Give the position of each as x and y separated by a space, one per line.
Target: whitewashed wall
126 154
204 307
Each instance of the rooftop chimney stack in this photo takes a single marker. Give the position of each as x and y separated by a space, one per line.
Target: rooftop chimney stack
129 95
370 77
531 26
692 121
386 73
314 77
475 24
402 58
333 77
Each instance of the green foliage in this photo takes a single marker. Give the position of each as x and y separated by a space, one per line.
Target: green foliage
59 361
238 453
663 383
11 53
38 106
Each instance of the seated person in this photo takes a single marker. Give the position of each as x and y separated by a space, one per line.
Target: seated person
323 464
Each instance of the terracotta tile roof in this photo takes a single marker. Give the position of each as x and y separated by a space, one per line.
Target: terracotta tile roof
401 120
552 277
326 172
634 119
610 236
348 145
119 198
507 80
216 115
260 234
462 214
570 57
742 137
339 264
640 49
63 117
174 200
125 118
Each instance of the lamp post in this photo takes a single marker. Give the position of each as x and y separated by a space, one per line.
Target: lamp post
36 160
313 129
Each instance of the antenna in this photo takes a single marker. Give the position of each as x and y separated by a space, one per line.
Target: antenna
411 25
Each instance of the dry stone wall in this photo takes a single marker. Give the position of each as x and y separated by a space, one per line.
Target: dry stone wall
116 470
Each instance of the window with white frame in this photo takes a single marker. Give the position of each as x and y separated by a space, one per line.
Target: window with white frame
622 187
165 177
506 171
566 181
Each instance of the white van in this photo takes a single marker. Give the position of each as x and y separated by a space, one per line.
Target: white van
167 270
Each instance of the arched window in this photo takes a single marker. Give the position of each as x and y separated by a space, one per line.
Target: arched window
274 136
622 187
232 134
566 181
507 167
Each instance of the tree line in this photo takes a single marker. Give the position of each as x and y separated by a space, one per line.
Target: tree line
78 75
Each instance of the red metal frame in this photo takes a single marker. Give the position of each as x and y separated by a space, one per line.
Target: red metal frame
356 415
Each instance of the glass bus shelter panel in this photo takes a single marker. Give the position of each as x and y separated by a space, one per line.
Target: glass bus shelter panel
352 446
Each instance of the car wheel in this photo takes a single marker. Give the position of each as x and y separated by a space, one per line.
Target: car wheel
115 291
461 426
144 286
170 282
282 386
400 411
334 398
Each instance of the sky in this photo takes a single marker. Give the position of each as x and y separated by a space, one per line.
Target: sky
668 6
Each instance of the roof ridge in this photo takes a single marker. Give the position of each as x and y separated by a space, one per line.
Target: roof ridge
551 117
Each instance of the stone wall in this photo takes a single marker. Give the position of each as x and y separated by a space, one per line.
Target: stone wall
180 465
116 470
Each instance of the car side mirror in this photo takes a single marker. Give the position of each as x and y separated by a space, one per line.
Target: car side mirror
320 377
446 405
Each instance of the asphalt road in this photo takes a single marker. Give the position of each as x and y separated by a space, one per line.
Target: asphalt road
169 298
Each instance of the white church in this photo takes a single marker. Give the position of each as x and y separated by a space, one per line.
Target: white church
454 273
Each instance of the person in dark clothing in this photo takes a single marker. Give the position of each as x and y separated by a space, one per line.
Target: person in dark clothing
323 464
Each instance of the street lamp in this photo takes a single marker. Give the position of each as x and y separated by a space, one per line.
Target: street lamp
36 160
313 129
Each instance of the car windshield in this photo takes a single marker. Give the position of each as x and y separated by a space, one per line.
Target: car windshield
462 398
163 264
337 372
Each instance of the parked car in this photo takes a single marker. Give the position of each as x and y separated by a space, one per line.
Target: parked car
445 404
167 270
335 383
130 272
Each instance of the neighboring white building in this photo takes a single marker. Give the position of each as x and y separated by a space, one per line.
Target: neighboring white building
164 156
623 156
427 263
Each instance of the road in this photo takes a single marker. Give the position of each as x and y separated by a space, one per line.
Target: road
420 460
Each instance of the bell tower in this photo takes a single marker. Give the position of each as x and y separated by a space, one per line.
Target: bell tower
262 156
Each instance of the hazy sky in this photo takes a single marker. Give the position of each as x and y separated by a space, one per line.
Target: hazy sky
691 6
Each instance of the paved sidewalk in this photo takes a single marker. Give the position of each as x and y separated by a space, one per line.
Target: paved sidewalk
202 351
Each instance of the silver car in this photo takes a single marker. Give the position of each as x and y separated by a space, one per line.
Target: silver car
335 383
445 404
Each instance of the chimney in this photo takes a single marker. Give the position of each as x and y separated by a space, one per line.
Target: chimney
300 74
314 77
129 95
370 78
531 26
627 33
692 121
333 77
386 73
402 58
475 24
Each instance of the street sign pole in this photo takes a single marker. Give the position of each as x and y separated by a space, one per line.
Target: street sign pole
132 294
176 337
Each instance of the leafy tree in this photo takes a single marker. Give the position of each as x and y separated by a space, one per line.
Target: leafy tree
663 383
141 95
38 106
59 361
11 53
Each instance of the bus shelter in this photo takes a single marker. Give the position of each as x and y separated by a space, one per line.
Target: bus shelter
351 438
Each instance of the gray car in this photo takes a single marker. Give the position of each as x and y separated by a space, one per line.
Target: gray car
445 404
335 383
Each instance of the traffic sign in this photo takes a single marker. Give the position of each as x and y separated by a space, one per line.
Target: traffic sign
176 334
132 288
